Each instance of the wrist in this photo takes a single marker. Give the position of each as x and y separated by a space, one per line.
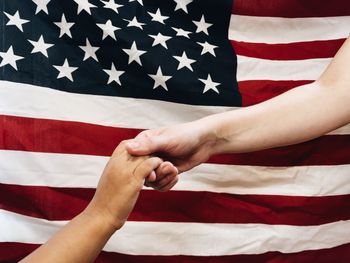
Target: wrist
102 218
210 134
224 131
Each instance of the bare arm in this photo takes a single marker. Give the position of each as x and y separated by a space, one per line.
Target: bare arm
298 115
82 239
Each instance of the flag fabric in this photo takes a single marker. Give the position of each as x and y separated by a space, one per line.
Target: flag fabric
79 76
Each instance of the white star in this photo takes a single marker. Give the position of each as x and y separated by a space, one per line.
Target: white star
181 32
135 23
15 20
40 46
108 29
113 74
157 16
207 48
65 71
41 5
160 40
209 84
64 26
184 61
90 51
134 53
9 58
84 5
202 26
182 4
112 5
139 1
160 79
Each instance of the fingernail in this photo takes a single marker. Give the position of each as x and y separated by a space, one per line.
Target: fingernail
133 144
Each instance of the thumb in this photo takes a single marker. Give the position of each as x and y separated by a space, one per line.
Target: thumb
145 144
146 167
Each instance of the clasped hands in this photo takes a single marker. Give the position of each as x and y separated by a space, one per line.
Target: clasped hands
154 158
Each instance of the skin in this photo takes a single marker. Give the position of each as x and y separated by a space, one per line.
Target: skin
296 116
306 112
82 239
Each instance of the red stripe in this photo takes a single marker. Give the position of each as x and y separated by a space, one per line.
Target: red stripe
13 252
291 8
256 91
182 206
41 135
290 51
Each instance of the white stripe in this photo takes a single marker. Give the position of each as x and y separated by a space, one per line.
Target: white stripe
67 170
264 69
189 238
38 102
31 101
341 131
261 180
274 30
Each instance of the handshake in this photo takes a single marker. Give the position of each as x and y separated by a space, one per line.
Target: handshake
115 197
123 179
130 167
187 145
133 165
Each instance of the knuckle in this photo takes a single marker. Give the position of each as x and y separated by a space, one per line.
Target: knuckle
143 134
123 143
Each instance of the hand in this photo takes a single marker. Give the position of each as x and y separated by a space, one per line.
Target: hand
115 197
120 184
184 145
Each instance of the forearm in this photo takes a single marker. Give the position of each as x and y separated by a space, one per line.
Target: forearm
81 240
298 115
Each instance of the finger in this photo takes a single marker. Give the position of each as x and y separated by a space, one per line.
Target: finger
154 176
173 178
121 148
162 183
162 171
146 167
151 177
170 185
168 168
145 143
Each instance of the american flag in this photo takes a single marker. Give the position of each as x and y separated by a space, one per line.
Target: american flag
79 76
